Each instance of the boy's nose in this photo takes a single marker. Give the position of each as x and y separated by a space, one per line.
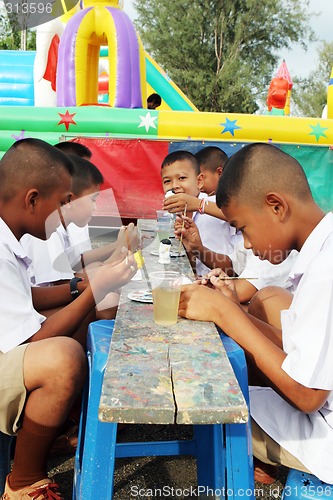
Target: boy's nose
247 243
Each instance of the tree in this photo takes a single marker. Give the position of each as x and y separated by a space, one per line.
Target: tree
11 39
310 94
221 53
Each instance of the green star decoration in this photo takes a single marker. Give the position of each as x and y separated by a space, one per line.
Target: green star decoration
318 131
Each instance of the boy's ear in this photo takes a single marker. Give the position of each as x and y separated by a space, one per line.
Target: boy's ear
219 171
278 204
200 181
31 199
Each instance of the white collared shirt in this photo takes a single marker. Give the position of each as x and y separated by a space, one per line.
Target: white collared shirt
19 319
216 234
307 334
75 241
49 262
267 274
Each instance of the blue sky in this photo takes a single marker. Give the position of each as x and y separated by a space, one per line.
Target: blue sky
299 63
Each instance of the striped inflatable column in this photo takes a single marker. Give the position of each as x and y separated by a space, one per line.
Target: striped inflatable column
330 97
77 78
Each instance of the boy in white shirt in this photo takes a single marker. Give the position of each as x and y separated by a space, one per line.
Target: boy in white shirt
291 403
181 173
69 248
42 365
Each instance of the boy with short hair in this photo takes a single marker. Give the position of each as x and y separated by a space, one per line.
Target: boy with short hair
292 403
69 248
42 365
74 148
211 161
181 173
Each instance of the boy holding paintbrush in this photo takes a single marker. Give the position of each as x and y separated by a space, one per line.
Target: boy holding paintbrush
291 369
181 173
59 258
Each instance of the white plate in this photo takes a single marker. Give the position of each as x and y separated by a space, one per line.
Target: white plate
141 296
175 253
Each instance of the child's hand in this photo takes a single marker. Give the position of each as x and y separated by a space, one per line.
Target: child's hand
176 203
110 277
191 237
226 287
198 302
129 237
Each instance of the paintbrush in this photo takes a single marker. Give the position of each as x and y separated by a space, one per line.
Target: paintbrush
224 278
128 244
145 272
181 234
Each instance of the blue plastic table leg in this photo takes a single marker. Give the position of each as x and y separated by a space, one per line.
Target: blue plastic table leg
238 438
96 439
210 459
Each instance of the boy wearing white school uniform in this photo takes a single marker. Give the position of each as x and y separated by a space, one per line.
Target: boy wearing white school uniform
292 411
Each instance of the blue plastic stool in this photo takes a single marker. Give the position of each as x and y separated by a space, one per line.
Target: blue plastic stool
5 456
303 485
219 449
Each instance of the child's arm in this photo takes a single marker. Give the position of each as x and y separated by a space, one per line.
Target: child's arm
176 204
194 247
259 340
104 279
128 237
50 297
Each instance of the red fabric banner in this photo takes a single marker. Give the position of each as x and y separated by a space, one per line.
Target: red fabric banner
132 169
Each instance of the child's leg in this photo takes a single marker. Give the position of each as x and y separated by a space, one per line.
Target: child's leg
270 452
268 303
54 372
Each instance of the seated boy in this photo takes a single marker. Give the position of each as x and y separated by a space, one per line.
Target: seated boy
63 253
180 173
42 364
211 161
241 262
292 401
74 148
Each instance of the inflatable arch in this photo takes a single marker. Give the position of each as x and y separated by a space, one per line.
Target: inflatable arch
79 52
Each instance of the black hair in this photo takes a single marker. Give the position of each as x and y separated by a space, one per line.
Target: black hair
211 157
85 175
74 148
155 98
32 163
181 155
257 169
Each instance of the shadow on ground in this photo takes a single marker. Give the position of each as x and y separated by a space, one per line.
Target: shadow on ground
153 477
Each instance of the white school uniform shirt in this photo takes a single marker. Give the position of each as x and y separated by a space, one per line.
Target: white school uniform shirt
268 274
49 262
75 241
216 234
19 319
307 335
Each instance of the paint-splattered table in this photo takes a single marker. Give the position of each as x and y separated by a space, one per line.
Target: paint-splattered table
165 375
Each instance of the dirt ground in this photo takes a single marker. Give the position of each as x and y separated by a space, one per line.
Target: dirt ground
140 477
